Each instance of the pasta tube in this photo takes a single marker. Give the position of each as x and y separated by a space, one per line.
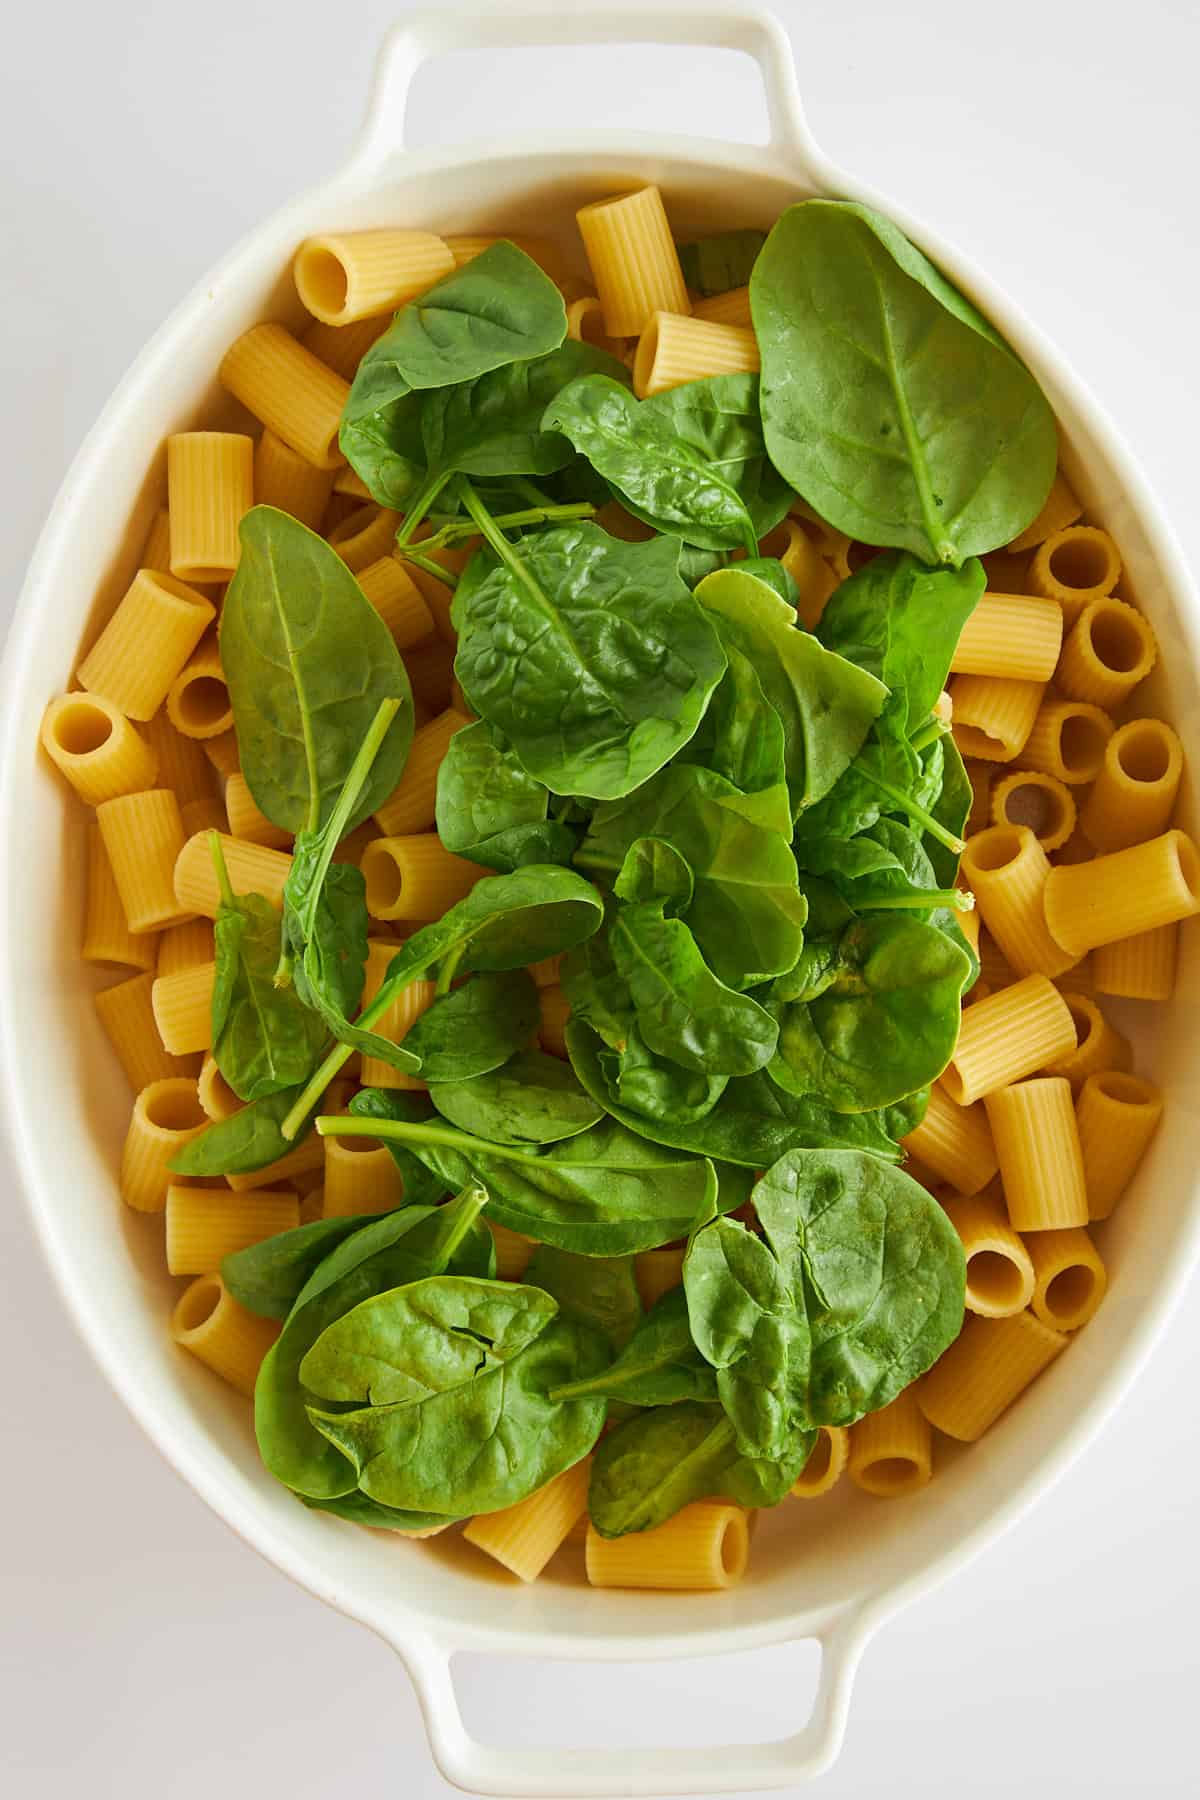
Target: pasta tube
1133 796
1110 649
146 643
1000 1278
1117 1115
986 1368
96 748
232 1342
1008 870
633 260
1071 1279
891 1451
345 276
1013 636
705 1545
166 1116
143 835
1006 1037
1127 892
993 717
524 1537
1041 1162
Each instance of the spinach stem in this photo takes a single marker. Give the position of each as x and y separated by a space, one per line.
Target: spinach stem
906 804
607 865
340 1054
532 515
347 1125
532 492
446 576
922 900
335 828
418 508
455 1220
449 970
228 897
930 732
495 537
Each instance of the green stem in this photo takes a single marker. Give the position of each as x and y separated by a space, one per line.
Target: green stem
347 1125
316 1084
607 865
446 576
420 506
495 537
532 492
514 521
335 828
455 1220
929 733
228 897
449 970
921 900
906 804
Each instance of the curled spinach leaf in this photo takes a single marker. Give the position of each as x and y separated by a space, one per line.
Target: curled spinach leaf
532 1099
599 1290
659 1366
249 1139
682 1011
266 1278
491 810
741 734
475 1028
719 418
713 265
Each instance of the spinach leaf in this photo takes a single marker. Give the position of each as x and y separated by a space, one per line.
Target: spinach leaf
660 1460
532 1099
659 1366
682 1011
741 734
249 1139
654 1086
746 913
878 1268
951 809
654 870
472 1427
309 662
825 703
713 265
769 570
890 404
490 810
475 1028
752 1122
264 1039
266 1278
601 1291
381 437
400 1247
719 419
603 1193
883 1022
356 1509
655 474
421 1186
589 654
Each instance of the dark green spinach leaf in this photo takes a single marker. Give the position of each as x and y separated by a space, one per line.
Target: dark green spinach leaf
475 1028
601 1291
490 810
659 1366
713 265
532 1099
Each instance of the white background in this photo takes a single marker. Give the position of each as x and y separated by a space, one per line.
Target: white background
143 1650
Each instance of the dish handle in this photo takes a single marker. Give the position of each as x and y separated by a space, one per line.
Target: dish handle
596 1774
540 24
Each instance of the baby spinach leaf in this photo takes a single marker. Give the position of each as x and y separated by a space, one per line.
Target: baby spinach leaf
490 810
654 870
421 1186
248 1139
266 1278
770 570
659 1366
589 654
532 1099
951 809
682 1011
878 1268
885 1024
476 1027
308 661
661 1460
890 404
601 1291
752 1122
603 1193
825 703
719 419
654 1086
654 473
713 265
356 1509
484 1434
380 436
741 734
746 913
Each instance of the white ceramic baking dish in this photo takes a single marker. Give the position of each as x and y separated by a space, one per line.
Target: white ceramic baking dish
833 1572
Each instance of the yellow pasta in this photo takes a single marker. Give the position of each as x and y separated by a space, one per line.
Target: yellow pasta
999 1271
209 1322
342 347
345 276
1133 796
954 1142
1075 566
210 483
826 1465
1117 1115
183 1008
398 601
993 968
430 669
365 536
400 1016
554 1009
146 643
891 1451
143 835
1068 740
351 848
97 749
166 1116
1071 1278
673 349
657 1271
1059 510
1010 635
980 774
513 1251
633 260
986 1368
1008 870
283 384
361 1176
730 308
156 551
585 323
217 1099
307 1158
252 870
438 594
205 1224
222 752
1109 650
1100 1046
524 1537
1008 1036
993 717
1141 967
706 1545
413 877
1037 800
198 703
1124 893
182 764
410 807
546 973
127 1014
246 821
1041 1164
814 579
106 934
183 946
283 479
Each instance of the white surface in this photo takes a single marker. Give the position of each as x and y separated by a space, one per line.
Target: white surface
1076 1632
